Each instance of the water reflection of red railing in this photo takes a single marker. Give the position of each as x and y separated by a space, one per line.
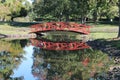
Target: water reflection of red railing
59 45
60 26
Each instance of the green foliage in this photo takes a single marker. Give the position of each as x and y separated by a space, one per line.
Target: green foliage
75 9
4 11
13 8
62 9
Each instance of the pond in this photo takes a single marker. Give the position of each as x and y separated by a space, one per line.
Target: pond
23 60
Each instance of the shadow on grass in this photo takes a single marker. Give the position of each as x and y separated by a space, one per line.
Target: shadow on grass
27 24
116 23
22 24
18 24
112 47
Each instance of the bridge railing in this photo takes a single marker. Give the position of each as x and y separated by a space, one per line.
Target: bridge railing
60 26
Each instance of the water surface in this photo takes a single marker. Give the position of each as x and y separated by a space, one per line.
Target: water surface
19 59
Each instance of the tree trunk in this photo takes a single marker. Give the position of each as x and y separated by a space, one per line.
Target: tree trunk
119 19
67 18
82 19
60 18
12 18
3 19
85 20
95 16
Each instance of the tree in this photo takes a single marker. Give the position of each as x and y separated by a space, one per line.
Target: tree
48 8
83 9
61 8
13 8
99 8
119 18
103 8
17 11
4 11
79 9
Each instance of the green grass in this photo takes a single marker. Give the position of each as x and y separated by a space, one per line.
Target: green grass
103 28
102 35
103 31
7 29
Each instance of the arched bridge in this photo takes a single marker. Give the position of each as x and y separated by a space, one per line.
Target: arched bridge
60 26
59 45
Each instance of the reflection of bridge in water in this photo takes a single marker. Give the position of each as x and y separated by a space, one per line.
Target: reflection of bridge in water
2 36
59 45
60 26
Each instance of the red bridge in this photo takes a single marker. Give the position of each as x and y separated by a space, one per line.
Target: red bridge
59 45
60 26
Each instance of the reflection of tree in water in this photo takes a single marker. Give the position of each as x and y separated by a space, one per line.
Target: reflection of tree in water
11 46
38 69
70 65
10 57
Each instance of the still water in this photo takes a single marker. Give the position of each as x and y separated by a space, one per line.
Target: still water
24 69
20 60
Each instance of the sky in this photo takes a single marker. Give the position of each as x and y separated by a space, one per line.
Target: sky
30 1
24 69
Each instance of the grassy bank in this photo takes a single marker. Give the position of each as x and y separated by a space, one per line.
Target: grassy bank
104 31
102 35
9 30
